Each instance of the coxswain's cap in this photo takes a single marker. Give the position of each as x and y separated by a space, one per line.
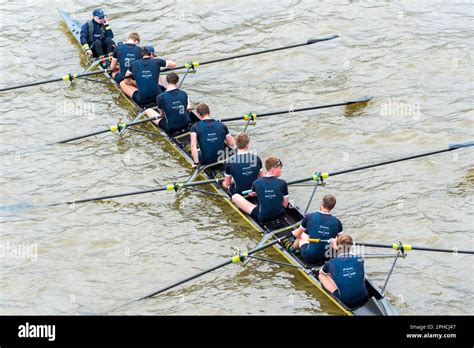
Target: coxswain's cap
98 12
149 49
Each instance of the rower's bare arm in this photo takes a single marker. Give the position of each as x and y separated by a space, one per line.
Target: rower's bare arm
170 64
227 181
285 202
261 173
327 281
189 107
151 113
194 149
298 232
128 81
113 64
229 139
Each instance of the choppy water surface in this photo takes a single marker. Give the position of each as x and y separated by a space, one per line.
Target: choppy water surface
415 58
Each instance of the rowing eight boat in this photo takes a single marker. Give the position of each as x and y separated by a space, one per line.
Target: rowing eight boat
377 303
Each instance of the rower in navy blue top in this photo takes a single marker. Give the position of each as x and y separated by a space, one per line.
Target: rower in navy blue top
344 275
317 225
146 74
211 135
173 105
125 55
243 168
271 192
96 35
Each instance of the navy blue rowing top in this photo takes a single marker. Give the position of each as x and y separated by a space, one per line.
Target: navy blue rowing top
347 271
126 54
270 192
244 169
174 103
319 225
211 135
146 73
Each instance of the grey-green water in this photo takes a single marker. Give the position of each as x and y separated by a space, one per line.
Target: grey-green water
415 58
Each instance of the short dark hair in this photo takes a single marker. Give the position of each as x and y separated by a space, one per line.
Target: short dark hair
172 78
329 201
272 162
134 36
202 109
242 140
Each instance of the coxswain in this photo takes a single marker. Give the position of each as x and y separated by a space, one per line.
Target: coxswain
317 225
173 106
141 81
211 136
125 55
344 275
96 35
271 192
242 168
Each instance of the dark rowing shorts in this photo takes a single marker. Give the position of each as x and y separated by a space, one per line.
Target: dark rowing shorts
142 101
256 216
118 79
308 258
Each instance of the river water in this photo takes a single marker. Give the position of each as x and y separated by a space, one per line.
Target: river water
413 57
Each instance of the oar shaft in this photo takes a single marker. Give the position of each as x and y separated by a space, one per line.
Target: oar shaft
52 80
309 42
412 247
281 112
388 162
450 148
125 125
171 187
185 280
234 259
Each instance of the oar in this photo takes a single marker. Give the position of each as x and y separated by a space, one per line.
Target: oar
408 247
235 259
201 168
114 128
171 187
318 176
253 116
425 154
69 77
309 42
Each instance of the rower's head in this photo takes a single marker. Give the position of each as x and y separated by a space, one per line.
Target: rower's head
98 15
274 166
344 243
133 38
172 79
148 51
328 202
242 141
203 110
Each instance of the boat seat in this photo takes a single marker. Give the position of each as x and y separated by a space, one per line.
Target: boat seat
275 224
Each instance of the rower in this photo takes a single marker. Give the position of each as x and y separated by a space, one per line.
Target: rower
96 35
271 192
243 168
344 275
173 105
211 135
125 55
317 225
146 74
